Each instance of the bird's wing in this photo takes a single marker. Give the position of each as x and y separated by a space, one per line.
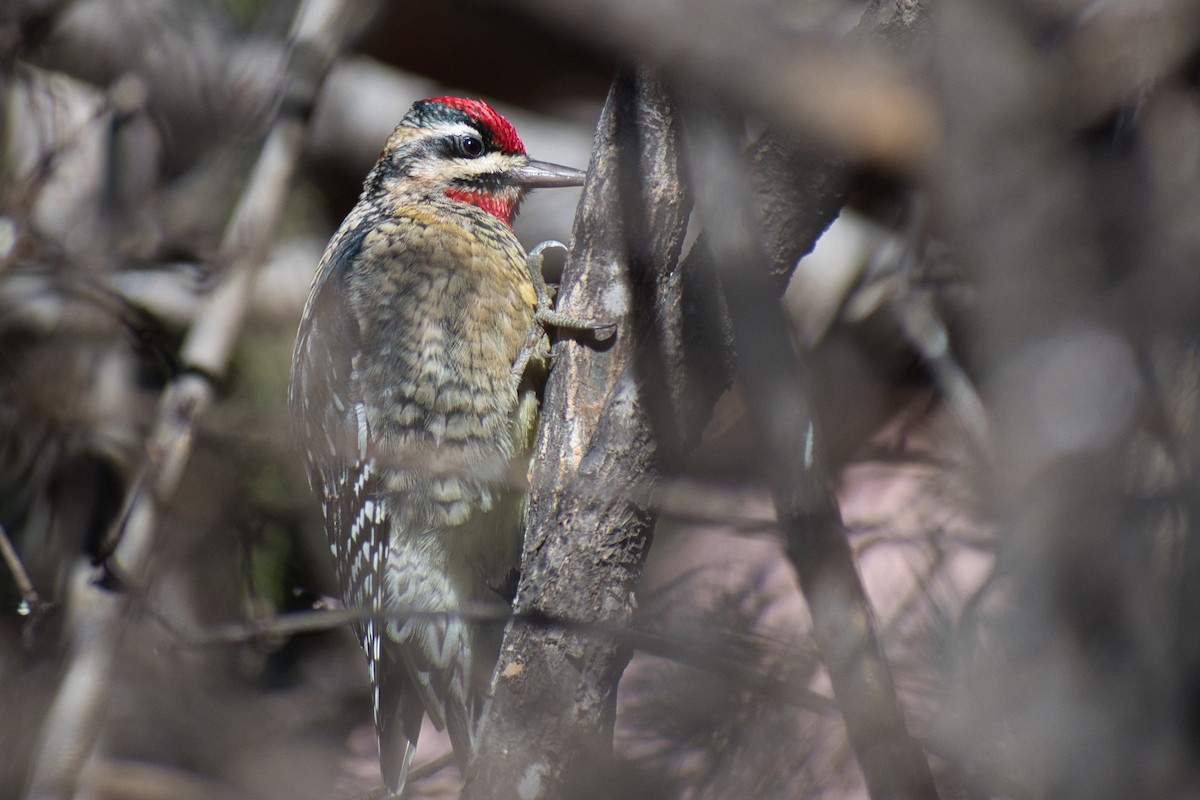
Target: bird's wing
330 418
363 525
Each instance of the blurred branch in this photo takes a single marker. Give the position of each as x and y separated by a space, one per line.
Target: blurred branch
792 214
853 101
696 654
799 190
172 294
1048 191
75 716
789 436
24 23
1116 53
138 780
201 79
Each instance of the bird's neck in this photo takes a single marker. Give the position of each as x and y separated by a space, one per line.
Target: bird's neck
499 204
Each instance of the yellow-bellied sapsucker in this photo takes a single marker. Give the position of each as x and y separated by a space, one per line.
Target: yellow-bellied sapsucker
414 396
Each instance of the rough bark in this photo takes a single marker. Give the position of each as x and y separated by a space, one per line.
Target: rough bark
597 463
615 414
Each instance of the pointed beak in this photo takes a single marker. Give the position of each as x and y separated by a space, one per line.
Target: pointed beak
544 175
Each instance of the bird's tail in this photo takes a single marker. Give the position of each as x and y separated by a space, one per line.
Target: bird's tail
398 714
436 647
404 694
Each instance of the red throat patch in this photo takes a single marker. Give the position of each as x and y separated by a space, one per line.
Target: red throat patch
493 204
504 135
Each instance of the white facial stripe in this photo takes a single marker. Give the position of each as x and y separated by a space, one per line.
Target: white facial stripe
455 129
489 164
492 162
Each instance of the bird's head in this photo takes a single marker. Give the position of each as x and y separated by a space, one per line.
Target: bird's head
464 150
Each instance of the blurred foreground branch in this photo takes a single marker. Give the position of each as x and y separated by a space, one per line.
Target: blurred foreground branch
854 101
790 438
99 616
797 193
1062 200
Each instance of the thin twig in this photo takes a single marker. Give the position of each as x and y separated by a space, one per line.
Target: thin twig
430 767
671 648
422 770
30 599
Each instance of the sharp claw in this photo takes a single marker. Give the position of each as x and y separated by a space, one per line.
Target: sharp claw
603 331
545 314
539 248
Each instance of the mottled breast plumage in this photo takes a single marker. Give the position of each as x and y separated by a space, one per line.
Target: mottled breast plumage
443 308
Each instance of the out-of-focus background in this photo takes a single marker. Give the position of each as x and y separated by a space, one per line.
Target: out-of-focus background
1001 326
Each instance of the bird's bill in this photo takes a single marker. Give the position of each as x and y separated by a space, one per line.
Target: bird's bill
544 175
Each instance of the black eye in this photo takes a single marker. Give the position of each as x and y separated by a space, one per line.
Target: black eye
468 146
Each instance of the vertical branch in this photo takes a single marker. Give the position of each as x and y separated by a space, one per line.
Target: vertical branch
603 441
98 616
790 439
596 465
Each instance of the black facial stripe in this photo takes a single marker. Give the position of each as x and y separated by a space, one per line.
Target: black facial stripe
425 114
488 182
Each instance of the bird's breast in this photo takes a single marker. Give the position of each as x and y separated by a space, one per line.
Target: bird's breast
445 310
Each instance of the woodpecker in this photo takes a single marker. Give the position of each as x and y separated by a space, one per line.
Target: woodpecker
414 395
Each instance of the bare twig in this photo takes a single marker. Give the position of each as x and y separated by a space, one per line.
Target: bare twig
30 599
430 767
672 648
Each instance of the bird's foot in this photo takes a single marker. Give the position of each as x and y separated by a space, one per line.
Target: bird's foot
545 313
